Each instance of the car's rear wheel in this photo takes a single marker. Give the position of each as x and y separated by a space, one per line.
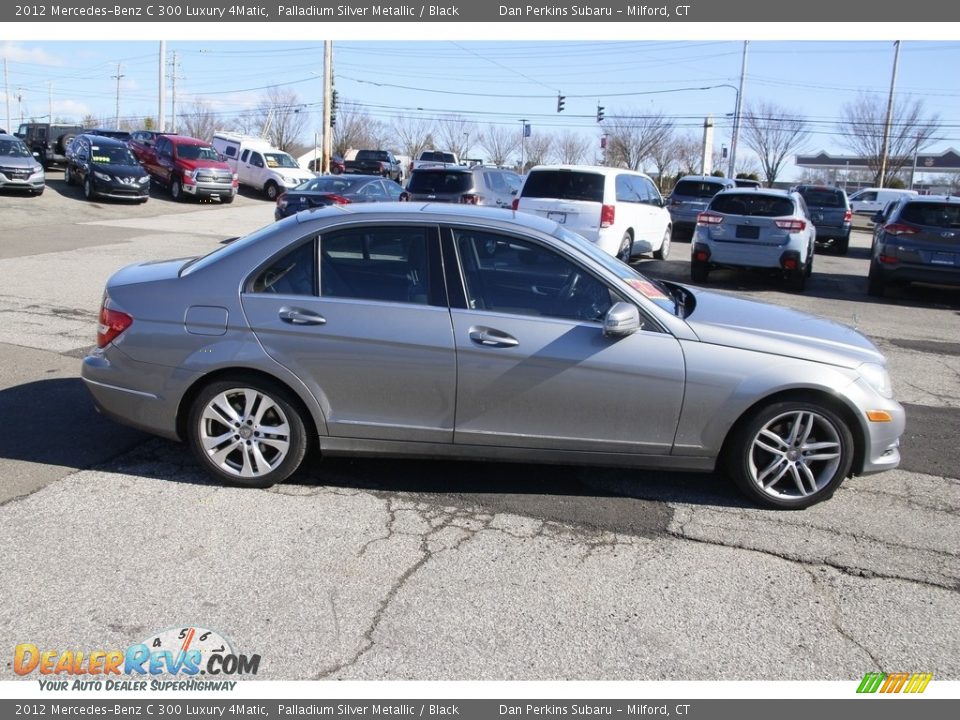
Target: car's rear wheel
226 199
876 286
626 248
797 279
790 455
842 245
664 252
271 190
247 432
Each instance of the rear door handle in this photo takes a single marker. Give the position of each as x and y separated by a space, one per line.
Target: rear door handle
488 337
299 316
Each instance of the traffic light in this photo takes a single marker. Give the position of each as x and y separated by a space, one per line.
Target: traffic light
560 100
333 109
599 113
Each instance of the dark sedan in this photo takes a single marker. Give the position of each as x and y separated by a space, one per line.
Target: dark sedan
336 190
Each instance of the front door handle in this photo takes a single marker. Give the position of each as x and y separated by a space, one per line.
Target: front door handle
488 337
299 316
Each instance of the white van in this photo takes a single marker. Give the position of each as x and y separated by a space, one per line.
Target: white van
258 165
621 211
871 200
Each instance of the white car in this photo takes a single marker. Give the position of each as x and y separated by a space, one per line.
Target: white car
872 200
620 211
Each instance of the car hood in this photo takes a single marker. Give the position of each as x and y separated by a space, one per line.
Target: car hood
24 163
203 164
119 169
736 322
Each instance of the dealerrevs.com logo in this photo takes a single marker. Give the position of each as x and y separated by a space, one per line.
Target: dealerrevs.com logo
182 658
911 683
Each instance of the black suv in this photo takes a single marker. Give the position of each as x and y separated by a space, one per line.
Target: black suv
105 167
919 241
48 140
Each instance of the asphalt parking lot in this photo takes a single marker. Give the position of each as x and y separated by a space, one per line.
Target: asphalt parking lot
395 570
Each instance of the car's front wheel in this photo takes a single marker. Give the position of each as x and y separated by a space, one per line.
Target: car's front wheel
176 191
88 192
790 455
67 175
247 432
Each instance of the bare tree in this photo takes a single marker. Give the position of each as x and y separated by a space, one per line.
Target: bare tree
664 158
911 130
538 149
198 120
774 133
453 134
285 117
499 143
248 122
355 129
571 148
632 137
413 134
688 151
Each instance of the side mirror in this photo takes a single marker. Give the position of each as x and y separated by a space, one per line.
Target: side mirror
621 320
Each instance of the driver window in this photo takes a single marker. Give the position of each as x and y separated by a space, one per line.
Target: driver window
256 160
504 274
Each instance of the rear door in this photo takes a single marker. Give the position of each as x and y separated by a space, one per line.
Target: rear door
572 198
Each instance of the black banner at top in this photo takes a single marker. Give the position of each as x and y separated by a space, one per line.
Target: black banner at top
618 11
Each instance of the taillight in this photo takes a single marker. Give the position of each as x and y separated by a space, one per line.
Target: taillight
848 216
112 323
900 229
790 225
709 218
404 197
515 205
606 215
338 199
470 199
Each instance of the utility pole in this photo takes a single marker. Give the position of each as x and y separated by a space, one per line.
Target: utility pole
886 125
117 118
162 88
173 93
6 92
50 100
327 103
731 172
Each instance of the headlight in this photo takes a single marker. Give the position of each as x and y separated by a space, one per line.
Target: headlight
38 170
102 176
145 179
877 377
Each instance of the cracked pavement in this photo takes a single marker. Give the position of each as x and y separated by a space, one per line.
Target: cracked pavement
395 570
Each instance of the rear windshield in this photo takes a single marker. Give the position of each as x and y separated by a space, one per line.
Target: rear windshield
697 188
753 204
824 197
933 214
564 185
434 156
436 182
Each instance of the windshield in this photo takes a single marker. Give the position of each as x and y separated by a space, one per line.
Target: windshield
564 185
653 290
279 160
197 152
13 148
112 155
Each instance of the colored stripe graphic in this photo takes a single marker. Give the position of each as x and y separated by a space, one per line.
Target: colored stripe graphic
894 683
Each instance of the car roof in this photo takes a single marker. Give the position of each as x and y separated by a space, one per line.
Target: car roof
185 140
705 178
447 167
952 199
103 139
599 169
432 212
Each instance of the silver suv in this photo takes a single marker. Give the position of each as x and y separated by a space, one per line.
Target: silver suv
478 185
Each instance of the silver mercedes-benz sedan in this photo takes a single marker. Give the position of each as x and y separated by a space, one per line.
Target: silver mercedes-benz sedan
482 334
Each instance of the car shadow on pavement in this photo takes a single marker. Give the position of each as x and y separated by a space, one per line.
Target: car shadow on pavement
54 422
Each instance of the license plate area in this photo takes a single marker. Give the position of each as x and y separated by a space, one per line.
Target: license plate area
748 232
941 258
557 217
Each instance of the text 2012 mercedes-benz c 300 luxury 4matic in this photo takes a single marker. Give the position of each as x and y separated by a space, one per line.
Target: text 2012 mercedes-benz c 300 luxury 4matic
478 333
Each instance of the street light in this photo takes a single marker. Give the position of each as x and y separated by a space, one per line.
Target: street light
736 126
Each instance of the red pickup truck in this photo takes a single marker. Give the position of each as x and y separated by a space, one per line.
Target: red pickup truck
188 167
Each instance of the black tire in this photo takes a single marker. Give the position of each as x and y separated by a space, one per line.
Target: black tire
266 458
625 252
39 192
271 190
765 455
143 200
88 192
797 279
67 175
227 199
699 272
842 245
63 141
664 252
176 191
876 286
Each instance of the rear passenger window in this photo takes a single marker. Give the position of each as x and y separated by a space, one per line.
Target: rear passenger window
385 264
293 274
